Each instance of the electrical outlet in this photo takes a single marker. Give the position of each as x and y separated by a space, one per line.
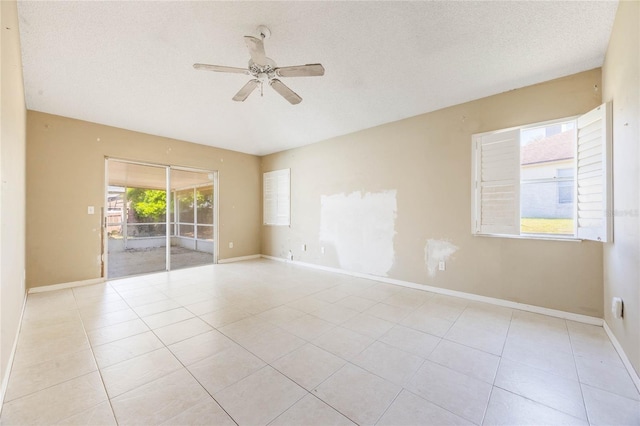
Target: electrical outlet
321 250
442 266
617 307
231 244
304 247
91 210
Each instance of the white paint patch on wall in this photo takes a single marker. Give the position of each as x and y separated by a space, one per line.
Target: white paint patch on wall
361 229
437 251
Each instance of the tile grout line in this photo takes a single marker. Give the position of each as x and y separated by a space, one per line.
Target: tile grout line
251 315
540 403
575 366
553 374
493 384
424 360
93 354
402 387
277 326
311 392
202 386
165 346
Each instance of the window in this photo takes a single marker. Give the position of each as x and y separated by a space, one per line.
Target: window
545 180
276 188
543 150
204 197
185 213
194 215
565 186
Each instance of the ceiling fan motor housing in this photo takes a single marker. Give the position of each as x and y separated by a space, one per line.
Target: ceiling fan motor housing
262 72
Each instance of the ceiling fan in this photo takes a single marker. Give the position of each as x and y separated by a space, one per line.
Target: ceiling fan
264 70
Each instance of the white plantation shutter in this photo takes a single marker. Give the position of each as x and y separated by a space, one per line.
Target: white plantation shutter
496 200
276 190
593 179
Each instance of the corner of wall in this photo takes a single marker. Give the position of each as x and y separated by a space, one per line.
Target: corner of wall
13 191
621 85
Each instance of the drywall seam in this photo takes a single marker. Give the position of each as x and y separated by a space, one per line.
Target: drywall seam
239 258
63 286
361 228
5 381
585 319
436 251
623 356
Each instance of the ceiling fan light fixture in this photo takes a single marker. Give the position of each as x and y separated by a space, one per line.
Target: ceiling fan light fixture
263 69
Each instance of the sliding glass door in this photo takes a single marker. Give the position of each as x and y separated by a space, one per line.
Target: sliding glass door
136 219
192 242
158 218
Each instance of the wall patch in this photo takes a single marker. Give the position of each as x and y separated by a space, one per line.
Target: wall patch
437 251
361 228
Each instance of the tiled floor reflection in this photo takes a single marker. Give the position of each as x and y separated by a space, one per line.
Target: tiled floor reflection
263 342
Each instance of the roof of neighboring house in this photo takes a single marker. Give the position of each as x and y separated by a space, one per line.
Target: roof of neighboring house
554 148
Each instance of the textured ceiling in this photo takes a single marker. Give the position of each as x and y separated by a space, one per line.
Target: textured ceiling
129 64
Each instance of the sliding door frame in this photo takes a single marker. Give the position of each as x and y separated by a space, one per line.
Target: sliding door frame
168 169
214 182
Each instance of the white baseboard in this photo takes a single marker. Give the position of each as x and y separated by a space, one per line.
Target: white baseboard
73 284
240 258
469 296
282 259
5 380
623 356
62 286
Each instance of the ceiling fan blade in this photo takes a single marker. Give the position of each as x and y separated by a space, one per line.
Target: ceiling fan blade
285 92
309 70
246 90
220 68
256 50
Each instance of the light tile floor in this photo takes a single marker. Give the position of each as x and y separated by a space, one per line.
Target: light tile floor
263 342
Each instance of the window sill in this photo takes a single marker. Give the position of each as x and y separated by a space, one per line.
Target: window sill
530 237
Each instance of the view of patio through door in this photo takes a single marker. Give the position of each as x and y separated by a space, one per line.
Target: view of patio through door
149 231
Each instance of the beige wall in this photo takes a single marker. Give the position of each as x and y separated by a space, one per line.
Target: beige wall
12 191
621 84
65 174
427 161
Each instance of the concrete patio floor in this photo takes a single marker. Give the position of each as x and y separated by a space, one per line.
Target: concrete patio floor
144 261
